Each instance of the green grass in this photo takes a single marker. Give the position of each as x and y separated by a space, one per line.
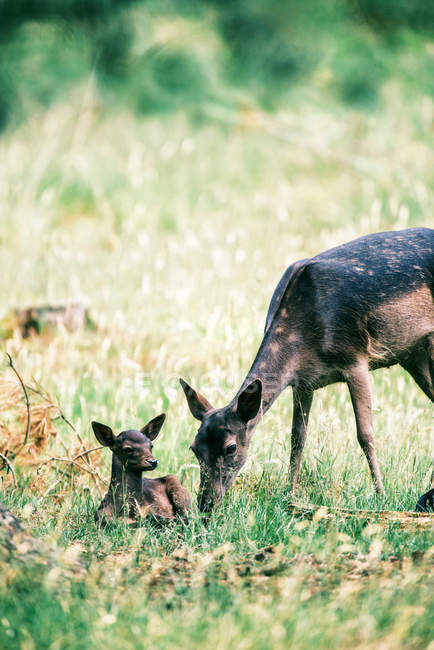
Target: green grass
176 236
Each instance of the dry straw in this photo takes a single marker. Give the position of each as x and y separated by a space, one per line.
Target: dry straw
29 416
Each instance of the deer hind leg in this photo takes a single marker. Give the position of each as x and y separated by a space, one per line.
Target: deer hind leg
360 390
302 401
420 365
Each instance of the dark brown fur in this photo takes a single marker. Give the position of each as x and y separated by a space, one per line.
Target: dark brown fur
129 494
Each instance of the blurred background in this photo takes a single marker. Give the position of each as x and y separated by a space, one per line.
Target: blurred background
209 58
163 162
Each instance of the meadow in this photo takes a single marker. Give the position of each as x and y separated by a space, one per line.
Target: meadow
175 234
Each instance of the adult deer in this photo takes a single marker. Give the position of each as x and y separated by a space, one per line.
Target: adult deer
364 305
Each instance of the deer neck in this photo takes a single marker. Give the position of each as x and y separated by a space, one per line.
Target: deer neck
125 484
276 364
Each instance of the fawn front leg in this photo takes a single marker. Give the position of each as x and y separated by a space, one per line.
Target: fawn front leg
104 514
178 496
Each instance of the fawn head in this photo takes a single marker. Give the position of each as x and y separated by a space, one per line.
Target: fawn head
223 439
133 448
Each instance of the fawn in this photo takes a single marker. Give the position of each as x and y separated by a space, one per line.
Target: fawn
129 494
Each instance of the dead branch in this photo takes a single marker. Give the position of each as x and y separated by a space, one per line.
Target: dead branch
62 416
80 460
26 437
11 467
65 419
83 453
70 461
53 485
73 461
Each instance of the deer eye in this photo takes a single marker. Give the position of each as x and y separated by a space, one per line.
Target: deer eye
128 450
230 449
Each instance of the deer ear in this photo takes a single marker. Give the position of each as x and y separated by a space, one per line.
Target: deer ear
197 403
152 429
103 434
249 401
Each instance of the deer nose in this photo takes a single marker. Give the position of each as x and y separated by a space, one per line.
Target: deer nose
153 463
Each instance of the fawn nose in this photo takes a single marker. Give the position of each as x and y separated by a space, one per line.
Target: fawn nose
153 463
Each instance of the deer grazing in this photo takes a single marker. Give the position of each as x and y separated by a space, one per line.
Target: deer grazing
129 494
364 305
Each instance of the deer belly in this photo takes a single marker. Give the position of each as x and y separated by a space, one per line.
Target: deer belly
397 326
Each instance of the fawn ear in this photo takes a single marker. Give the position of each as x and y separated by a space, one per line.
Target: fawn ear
152 429
103 434
249 401
197 403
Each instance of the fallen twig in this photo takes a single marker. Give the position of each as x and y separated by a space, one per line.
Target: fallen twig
311 511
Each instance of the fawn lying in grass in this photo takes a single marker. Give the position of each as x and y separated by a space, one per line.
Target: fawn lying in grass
129 494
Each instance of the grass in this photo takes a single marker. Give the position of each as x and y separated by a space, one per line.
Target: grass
176 236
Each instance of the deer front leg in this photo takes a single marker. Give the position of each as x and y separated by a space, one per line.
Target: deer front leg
108 509
360 390
104 514
302 401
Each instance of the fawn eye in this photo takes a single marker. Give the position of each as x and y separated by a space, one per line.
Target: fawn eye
230 449
128 450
